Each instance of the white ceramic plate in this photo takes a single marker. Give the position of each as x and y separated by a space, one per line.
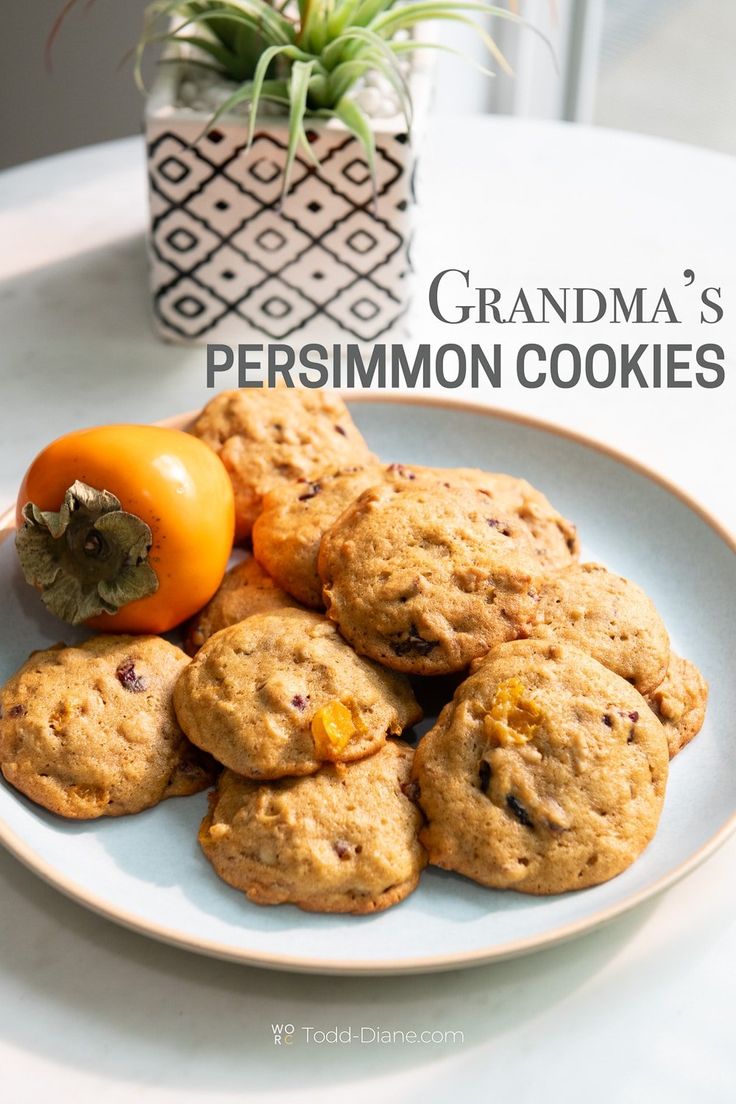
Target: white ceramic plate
147 872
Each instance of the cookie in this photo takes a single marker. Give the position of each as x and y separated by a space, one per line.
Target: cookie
680 702
269 437
609 617
546 772
554 538
424 577
342 840
281 693
295 517
90 731
246 589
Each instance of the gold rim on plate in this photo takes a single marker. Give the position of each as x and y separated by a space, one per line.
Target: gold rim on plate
428 963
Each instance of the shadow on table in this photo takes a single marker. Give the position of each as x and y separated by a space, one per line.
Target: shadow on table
100 292
123 1007
91 314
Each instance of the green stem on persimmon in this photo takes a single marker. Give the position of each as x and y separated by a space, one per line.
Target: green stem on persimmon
87 558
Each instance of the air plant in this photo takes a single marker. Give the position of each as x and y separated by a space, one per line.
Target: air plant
307 56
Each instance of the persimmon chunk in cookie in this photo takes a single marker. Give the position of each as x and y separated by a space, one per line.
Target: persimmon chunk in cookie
281 693
341 840
90 731
545 773
424 577
246 589
269 437
607 616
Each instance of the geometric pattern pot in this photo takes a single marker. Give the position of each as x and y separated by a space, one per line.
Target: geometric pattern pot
229 261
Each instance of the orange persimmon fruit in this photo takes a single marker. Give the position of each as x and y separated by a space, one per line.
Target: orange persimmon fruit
125 528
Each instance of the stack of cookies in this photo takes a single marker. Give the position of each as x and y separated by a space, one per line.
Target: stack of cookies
362 584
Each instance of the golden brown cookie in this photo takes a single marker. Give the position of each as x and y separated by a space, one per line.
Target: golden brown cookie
281 693
680 702
424 577
607 616
546 772
246 589
288 531
342 840
90 731
553 537
269 437
295 517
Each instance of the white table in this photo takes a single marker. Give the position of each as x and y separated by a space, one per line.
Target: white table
641 1010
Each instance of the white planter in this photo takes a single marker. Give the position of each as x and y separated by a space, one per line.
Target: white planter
228 263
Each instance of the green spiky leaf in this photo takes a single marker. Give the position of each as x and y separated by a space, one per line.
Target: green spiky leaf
308 56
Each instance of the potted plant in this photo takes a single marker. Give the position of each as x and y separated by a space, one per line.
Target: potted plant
282 141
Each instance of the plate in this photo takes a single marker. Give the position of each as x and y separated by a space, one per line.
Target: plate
147 873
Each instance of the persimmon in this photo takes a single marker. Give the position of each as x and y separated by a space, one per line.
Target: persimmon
125 528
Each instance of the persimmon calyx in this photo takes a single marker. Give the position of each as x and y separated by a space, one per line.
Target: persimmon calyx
87 558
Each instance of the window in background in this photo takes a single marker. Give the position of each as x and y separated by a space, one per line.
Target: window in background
661 67
667 68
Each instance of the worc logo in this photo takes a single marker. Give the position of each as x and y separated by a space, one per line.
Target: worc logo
283 1034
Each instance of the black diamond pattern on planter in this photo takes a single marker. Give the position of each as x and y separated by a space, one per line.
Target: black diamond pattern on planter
270 240
356 241
318 275
365 309
265 172
357 172
187 309
183 240
316 207
354 310
258 171
341 162
227 258
360 241
229 275
164 154
173 170
223 206
276 309
189 306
